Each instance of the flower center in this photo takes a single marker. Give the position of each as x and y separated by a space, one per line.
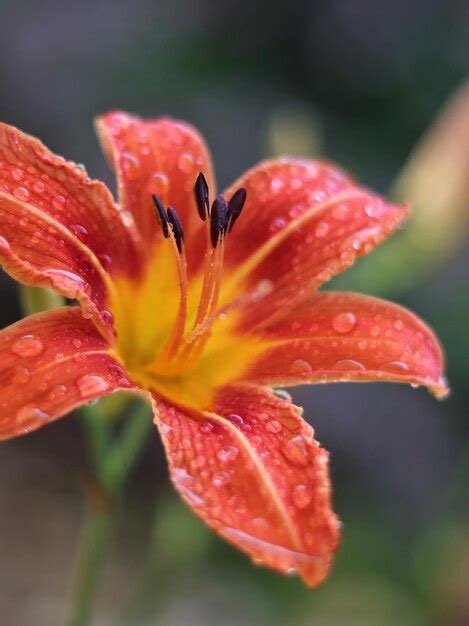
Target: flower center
186 342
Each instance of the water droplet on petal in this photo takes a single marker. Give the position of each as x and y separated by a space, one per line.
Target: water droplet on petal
21 193
321 230
220 479
158 184
395 366
21 374
57 392
296 451
186 162
39 186
58 202
30 412
207 427
4 245
277 224
276 184
349 365
91 385
227 454
17 174
105 260
80 231
130 165
300 366
344 322
302 496
398 324
27 346
235 419
273 426
283 394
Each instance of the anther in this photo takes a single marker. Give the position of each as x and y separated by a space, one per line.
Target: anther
235 206
218 219
176 227
161 215
201 196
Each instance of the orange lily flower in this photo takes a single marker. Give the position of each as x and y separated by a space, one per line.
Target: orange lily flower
205 315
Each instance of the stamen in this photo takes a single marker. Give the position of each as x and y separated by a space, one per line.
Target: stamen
161 215
177 241
176 227
201 197
182 350
218 220
235 206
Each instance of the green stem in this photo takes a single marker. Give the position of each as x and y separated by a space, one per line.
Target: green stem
95 542
113 462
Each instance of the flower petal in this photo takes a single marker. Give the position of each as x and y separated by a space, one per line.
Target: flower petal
58 229
254 473
51 363
303 222
337 336
158 156
62 191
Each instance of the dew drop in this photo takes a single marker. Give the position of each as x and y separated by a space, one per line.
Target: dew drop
220 479
21 374
39 186
21 193
276 184
130 165
91 385
235 419
186 162
300 366
395 366
27 346
282 394
344 322
398 324
302 496
58 202
207 427
127 218
273 426
17 174
296 451
158 184
4 245
321 230
57 392
349 365
105 260
277 224
80 231
30 412
227 454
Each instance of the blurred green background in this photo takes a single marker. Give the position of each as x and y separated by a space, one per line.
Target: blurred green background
357 81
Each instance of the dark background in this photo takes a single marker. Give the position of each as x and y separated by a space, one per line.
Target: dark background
358 81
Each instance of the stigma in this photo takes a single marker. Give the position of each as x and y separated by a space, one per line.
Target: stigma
190 333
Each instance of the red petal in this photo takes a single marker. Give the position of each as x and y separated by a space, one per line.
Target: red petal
51 363
336 336
303 222
57 228
61 190
254 473
159 156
